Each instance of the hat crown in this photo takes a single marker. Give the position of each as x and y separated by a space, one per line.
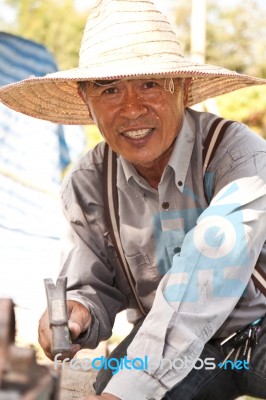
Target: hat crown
123 39
128 33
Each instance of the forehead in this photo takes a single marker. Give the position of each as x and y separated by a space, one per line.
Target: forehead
107 82
104 82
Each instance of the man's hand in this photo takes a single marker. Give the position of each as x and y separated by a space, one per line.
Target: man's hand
79 320
104 396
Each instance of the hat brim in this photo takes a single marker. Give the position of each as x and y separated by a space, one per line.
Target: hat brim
55 97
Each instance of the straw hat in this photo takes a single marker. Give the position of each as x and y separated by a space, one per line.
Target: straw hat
122 39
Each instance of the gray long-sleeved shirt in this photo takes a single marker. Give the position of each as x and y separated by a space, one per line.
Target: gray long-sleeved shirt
192 261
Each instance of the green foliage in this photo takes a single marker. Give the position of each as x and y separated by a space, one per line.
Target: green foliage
183 24
246 105
235 40
55 23
234 34
93 136
237 37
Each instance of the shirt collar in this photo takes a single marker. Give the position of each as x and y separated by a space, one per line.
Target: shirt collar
180 157
128 169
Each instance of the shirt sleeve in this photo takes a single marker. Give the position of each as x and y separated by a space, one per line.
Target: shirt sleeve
205 282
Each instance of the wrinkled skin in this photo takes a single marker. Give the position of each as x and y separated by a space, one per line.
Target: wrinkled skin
124 110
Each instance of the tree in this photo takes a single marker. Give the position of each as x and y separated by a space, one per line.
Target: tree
235 34
54 23
234 39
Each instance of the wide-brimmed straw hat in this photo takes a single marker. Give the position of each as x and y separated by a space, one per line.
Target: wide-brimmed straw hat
122 39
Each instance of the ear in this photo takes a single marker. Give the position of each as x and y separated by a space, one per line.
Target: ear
81 94
89 112
87 105
187 84
83 97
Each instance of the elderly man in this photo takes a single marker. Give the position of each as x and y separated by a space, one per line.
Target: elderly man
165 218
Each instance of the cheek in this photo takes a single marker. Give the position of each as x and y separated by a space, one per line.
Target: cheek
177 109
169 114
171 106
102 115
172 121
97 117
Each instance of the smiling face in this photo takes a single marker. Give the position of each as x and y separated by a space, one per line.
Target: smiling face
138 118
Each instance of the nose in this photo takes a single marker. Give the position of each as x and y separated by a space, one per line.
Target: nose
132 106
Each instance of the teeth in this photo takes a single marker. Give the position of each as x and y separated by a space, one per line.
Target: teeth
137 134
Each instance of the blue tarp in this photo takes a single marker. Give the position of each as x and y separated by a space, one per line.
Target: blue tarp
33 156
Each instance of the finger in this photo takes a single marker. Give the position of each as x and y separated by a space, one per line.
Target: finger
45 339
79 318
75 329
45 334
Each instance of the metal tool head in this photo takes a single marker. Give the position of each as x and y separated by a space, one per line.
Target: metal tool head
58 316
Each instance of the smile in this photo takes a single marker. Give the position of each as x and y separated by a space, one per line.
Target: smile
139 134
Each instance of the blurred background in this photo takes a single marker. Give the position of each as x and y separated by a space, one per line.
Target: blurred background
41 36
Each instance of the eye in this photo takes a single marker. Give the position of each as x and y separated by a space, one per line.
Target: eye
150 85
110 90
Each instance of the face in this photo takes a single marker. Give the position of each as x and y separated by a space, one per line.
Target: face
138 118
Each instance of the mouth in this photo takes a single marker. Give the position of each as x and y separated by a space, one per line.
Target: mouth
138 134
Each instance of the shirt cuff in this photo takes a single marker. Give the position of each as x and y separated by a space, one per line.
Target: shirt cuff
134 384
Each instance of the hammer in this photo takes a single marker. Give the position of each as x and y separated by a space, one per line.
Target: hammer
57 311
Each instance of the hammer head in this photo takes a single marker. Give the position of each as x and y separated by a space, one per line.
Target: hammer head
58 317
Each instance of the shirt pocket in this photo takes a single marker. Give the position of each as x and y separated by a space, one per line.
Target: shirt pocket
145 274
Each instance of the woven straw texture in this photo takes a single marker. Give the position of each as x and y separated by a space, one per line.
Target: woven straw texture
122 39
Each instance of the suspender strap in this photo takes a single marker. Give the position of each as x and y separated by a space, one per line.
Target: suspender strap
259 279
213 140
110 198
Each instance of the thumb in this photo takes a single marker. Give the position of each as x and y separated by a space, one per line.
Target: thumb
75 329
79 318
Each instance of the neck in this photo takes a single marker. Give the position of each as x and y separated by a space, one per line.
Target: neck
153 171
150 175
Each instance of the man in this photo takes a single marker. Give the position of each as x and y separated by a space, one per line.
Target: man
191 242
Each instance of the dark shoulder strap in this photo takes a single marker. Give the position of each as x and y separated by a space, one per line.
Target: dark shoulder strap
212 142
110 199
213 139
259 279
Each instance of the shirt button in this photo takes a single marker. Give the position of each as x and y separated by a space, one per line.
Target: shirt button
165 205
180 183
177 250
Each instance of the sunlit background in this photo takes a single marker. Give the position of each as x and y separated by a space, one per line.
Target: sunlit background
34 156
